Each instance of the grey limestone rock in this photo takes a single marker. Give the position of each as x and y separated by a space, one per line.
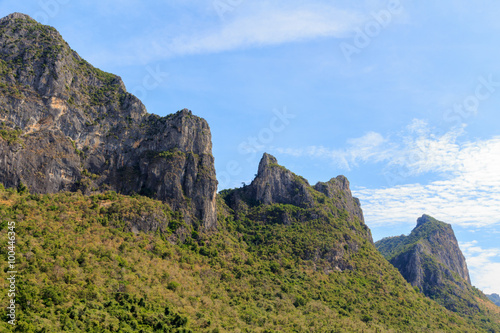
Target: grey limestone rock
68 126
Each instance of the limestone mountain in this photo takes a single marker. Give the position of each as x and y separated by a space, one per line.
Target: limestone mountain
431 260
68 126
278 196
285 256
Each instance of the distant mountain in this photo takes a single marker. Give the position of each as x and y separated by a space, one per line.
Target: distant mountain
430 259
495 298
68 126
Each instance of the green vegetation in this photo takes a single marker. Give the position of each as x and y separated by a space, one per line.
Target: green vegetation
168 154
429 242
115 263
82 269
12 136
391 247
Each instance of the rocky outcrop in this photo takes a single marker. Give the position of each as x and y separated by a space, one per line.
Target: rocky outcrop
274 184
278 196
68 126
339 189
442 245
430 259
430 239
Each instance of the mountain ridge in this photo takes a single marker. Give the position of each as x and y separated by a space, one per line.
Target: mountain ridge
430 259
80 129
280 254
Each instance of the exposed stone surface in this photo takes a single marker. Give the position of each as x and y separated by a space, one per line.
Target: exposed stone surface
338 188
66 125
277 195
430 259
430 238
274 184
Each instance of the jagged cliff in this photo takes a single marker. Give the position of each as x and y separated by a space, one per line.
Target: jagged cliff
278 196
431 260
274 184
68 126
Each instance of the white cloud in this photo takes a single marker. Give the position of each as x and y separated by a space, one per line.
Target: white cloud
484 266
469 194
371 147
248 25
268 26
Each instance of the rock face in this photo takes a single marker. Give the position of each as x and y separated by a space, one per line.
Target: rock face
277 195
430 259
274 184
430 238
338 188
68 126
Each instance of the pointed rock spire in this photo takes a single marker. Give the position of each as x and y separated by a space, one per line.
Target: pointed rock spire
424 219
266 162
14 16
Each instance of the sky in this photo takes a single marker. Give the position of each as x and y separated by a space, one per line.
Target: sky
400 96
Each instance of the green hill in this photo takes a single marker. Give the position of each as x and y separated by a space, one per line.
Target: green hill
430 259
119 227
82 269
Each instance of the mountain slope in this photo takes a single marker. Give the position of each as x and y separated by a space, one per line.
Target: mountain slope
82 268
430 259
78 129
285 256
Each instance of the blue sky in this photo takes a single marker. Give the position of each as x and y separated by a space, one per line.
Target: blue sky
402 97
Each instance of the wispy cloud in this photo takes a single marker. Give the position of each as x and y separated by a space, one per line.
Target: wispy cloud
468 192
268 26
484 266
371 147
253 24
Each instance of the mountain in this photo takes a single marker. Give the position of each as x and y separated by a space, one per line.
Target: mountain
68 126
278 196
270 267
430 259
495 298
119 227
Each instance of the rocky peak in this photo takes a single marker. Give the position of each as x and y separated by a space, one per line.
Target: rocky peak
81 130
14 16
425 219
276 184
266 162
429 258
338 188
